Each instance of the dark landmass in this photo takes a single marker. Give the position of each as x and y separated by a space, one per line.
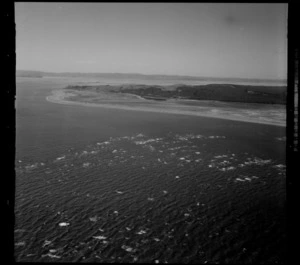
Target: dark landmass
27 73
219 92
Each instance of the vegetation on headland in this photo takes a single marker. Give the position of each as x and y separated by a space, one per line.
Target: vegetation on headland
219 92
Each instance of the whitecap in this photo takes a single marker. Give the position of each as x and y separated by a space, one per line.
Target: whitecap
60 158
46 243
100 237
156 239
181 158
114 151
141 232
32 166
249 179
119 192
238 179
165 192
280 166
257 161
127 248
177 177
230 168
216 136
145 142
51 256
63 224
220 156
103 143
197 153
224 162
93 219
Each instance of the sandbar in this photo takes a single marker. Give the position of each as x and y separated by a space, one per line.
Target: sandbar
253 113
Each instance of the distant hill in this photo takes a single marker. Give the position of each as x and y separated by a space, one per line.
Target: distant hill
29 73
220 92
23 73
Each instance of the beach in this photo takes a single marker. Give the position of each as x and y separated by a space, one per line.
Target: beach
250 112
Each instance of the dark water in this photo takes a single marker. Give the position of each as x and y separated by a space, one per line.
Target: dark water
104 185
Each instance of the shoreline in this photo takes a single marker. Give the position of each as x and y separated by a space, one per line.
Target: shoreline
61 97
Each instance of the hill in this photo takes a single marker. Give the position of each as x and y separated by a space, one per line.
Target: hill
182 78
219 92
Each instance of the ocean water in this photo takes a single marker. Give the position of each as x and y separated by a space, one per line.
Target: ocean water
108 185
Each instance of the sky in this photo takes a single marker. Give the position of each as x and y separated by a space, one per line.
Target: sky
198 39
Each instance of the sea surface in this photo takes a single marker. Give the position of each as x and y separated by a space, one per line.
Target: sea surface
108 185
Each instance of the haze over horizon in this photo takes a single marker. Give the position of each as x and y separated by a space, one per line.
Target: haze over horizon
186 39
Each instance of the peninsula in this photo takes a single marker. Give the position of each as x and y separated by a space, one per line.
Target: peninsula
258 104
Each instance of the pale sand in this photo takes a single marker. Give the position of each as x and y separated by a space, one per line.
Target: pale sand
244 115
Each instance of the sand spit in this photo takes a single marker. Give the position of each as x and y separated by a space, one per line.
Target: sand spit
172 107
